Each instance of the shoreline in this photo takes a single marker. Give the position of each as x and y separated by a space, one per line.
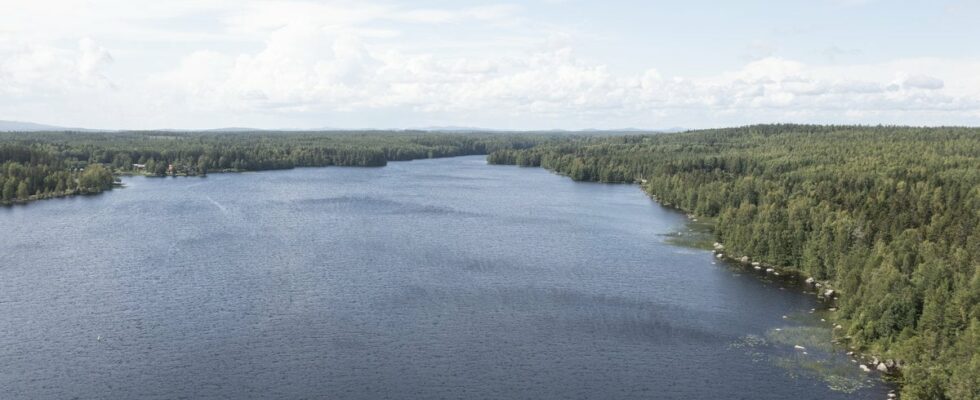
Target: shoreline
887 370
868 362
118 184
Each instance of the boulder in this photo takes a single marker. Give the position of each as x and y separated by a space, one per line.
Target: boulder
757 267
890 363
770 270
865 368
809 281
719 255
744 259
756 264
882 368
829 293
798 347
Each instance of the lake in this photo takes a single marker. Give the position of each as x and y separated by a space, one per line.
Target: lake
445 278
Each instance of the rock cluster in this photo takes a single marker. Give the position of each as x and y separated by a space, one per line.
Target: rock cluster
888 366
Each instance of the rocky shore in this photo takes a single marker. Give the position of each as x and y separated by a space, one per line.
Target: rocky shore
824 290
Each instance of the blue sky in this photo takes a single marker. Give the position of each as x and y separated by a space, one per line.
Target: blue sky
535 64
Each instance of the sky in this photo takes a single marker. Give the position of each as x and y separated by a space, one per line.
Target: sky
533 64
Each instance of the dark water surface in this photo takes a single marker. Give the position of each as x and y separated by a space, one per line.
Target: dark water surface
442 278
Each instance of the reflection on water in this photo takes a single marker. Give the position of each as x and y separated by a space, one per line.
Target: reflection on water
427 279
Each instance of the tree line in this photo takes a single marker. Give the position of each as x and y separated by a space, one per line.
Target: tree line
34 172
890 215
40 165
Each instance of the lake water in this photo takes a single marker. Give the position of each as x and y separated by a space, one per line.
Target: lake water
445 278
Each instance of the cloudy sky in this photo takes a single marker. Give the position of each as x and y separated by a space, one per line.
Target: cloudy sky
532 64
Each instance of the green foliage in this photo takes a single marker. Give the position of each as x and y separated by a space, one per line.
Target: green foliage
39 165
891 215
95 178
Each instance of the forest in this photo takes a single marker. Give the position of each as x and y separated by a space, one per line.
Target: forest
890 216
41 165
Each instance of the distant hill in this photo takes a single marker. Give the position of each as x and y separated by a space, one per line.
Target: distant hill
19 126
451 128
610 131
233 129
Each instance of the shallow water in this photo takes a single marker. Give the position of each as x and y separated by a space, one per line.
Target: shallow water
442 278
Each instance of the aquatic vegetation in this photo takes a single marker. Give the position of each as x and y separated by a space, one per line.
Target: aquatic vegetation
812 337
804 352
695 234
886 215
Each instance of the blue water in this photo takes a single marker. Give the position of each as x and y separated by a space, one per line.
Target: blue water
445 278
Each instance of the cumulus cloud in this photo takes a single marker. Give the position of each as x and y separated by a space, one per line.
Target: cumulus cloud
304 69
92 59
301 59
923 82
36 70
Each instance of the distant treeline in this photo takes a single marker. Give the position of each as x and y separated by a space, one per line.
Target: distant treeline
39 165
890 215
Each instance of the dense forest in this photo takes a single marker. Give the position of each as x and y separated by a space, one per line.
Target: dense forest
40 165
890 216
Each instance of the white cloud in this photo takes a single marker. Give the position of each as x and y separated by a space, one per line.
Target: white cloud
923 82
91 60
303 69
483 13
29 70
304 60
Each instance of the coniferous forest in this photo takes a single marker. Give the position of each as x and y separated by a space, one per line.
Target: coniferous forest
890 216
887 216
41 165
